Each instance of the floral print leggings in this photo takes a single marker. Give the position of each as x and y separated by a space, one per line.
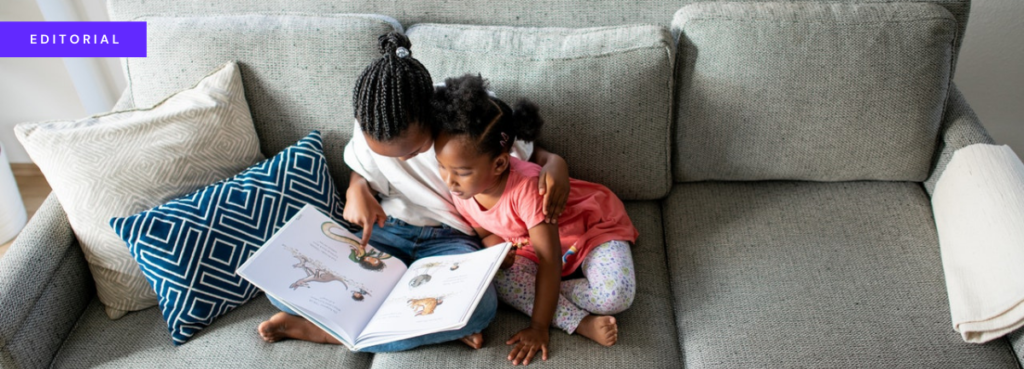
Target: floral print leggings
608 288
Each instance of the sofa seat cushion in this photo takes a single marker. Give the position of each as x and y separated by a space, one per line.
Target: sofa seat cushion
796 274
647 334
810 91
603 92
298 69
139 340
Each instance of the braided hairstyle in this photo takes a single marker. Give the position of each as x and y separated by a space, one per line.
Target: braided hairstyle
465 107
393 91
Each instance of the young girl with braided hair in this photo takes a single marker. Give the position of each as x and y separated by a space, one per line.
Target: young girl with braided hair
415 217
497 194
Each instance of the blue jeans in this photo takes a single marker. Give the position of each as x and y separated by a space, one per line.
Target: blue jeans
409 243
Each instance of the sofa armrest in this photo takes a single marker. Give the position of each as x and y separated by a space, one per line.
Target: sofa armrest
960 128
45 286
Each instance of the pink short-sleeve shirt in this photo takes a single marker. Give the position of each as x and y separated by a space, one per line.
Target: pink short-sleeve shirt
593 215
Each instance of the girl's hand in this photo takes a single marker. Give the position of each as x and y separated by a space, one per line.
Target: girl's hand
527 342
510 259
553 183
362 209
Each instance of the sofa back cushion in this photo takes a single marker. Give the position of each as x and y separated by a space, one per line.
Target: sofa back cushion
604 93
805 91
533 13
298 69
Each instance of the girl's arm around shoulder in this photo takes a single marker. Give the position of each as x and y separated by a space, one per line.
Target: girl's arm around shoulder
553 182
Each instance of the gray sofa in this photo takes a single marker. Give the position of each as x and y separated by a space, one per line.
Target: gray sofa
776 158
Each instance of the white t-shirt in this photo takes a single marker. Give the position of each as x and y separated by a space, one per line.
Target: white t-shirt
412 190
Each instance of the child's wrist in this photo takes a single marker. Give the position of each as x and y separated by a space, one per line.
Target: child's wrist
357 190
543 326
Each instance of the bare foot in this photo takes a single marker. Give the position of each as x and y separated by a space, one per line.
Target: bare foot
283 325
475 340
600 328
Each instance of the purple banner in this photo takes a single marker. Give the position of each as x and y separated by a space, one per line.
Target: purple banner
73 39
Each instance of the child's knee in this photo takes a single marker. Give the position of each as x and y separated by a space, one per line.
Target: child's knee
616 297
503 285
511 284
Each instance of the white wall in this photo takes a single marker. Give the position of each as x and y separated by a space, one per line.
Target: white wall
990 73
96 10
40 89
31 89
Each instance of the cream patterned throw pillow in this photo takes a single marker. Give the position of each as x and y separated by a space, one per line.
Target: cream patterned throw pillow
121 163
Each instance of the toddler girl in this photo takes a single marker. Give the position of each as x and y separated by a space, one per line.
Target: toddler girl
497 195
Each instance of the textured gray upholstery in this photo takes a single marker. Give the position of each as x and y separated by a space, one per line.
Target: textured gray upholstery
799 274
44 286
536 13
140 340
646 331
603 92
805 91
298 70
1017 342
960 128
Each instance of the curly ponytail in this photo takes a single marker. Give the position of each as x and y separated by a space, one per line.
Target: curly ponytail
526 118
464 106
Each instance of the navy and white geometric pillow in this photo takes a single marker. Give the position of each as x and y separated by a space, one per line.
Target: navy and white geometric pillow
190 247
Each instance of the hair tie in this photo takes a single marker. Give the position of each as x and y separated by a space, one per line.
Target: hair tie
402 52
504 139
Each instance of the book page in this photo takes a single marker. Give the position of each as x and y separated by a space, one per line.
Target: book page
436 294
316 267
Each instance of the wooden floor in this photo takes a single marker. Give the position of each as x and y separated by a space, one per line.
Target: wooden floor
33 188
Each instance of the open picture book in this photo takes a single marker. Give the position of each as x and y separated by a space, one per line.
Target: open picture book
363 296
